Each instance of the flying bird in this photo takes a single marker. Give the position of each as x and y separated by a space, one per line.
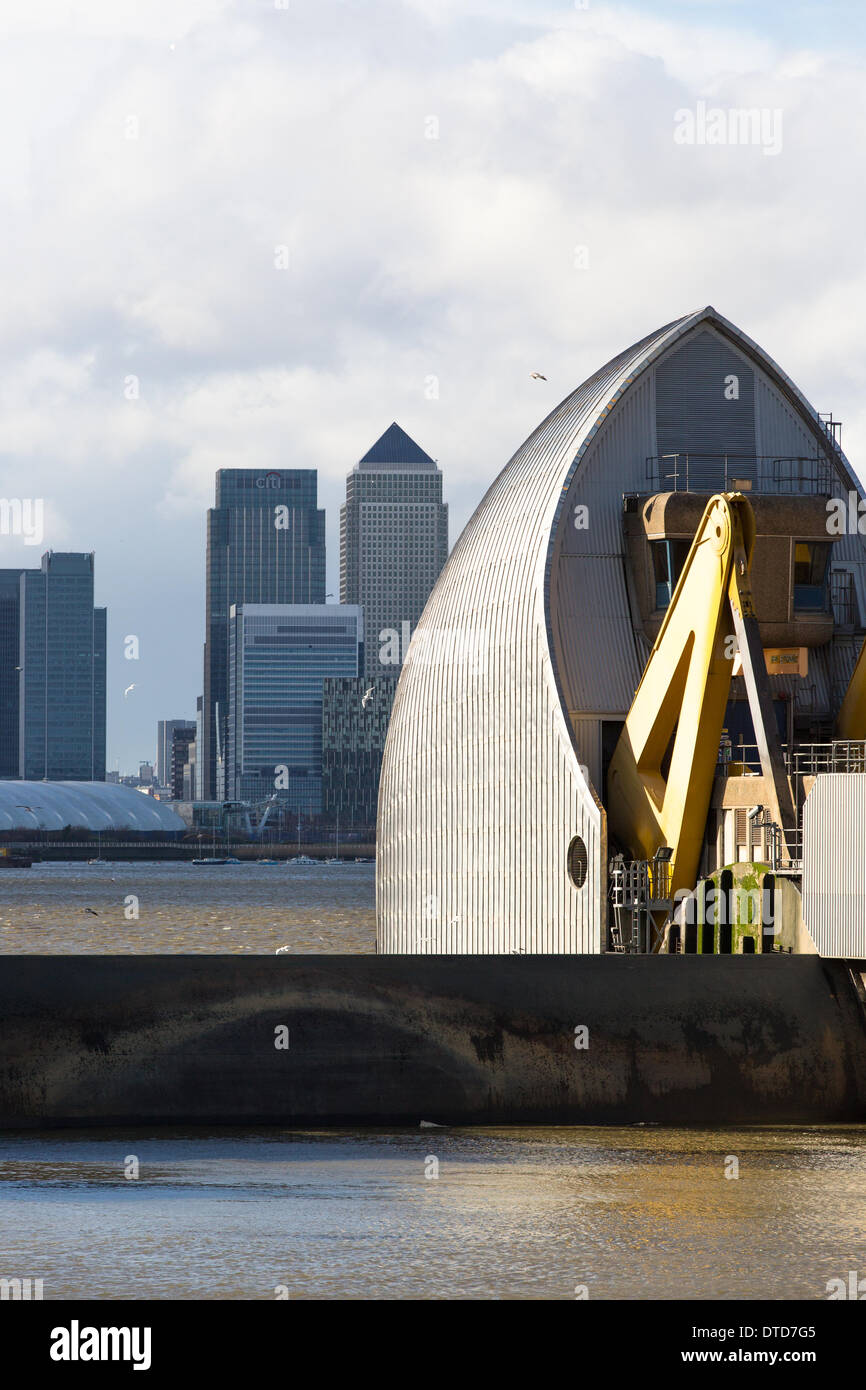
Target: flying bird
127 690
92 911
367 697
538 376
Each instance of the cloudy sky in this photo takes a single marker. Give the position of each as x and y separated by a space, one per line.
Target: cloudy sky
466 190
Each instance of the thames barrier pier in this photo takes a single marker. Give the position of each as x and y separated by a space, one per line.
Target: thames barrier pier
345 1040
622 814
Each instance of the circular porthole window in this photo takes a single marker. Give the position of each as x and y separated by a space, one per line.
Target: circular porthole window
577 862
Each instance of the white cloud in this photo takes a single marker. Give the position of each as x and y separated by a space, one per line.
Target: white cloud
148 248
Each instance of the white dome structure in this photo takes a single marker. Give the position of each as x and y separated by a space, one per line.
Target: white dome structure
94 806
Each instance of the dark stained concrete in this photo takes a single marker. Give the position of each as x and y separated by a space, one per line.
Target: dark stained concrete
458 1040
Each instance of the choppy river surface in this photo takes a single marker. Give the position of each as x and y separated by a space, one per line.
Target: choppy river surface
434 1213
145 907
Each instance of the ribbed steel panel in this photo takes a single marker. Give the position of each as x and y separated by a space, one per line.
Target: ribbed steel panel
834 857
690 384
591 599
481 788
587 741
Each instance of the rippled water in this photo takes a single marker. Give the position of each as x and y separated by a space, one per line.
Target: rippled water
230 908
513 1213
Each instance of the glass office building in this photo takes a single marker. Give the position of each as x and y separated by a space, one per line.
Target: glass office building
279 658
62 647
265 545
10 586
355 716
165 732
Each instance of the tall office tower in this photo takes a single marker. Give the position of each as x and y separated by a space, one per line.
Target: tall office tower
10 585
187 779
100 690
393 544
165 732
62 660
279 658
265 544
182 738
195 770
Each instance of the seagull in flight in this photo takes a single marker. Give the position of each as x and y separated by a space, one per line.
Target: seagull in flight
538 376
367 697
127 690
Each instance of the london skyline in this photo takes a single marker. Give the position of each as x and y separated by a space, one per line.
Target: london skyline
176 304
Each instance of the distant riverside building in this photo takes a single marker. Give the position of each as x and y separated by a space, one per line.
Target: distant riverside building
196 793
279 657
182 740
165 731
265 545
188 773
61 675
10 599
355 716
93 807
393 544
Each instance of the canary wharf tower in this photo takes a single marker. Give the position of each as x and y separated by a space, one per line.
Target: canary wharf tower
265 544
393 544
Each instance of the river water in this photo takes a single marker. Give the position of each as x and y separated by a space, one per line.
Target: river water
230 908
526 1214
431 1213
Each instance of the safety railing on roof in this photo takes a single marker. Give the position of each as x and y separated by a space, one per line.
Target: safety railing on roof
761 473
807 759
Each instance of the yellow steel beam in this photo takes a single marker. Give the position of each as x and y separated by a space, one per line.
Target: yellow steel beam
661 775
851 719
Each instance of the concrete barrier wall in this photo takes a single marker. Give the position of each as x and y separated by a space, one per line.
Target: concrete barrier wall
457 1040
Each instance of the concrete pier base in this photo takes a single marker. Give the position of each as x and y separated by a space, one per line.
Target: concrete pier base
482 1040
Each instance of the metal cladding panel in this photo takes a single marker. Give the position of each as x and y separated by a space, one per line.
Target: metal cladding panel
600 656
588 591
693 412
587 740
834 859
781 431
481 788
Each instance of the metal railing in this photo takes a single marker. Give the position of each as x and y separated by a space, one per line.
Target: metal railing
807 760
765 473
784 852
639 888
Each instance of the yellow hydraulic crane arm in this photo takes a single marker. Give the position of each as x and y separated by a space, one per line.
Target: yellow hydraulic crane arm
851 720
661 775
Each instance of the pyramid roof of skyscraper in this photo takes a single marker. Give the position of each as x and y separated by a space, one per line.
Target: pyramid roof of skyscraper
394 449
